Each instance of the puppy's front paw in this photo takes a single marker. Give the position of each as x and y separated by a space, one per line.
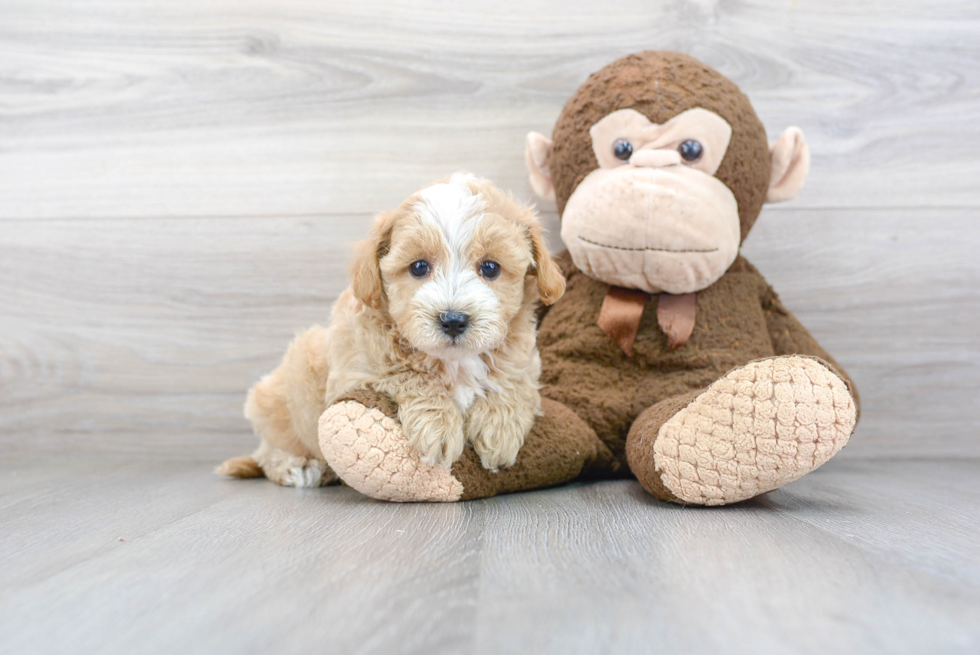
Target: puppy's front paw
436 433
497 435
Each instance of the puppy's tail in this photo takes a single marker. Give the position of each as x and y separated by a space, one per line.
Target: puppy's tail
243 466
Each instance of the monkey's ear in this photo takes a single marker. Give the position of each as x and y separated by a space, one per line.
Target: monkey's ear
790 157
551 283
366 282
537 155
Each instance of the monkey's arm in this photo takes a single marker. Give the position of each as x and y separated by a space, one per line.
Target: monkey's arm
789 337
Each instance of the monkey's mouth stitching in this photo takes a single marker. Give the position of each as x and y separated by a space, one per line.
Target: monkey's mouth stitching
603 245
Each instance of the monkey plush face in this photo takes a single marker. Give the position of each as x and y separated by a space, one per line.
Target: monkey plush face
659 167
653 216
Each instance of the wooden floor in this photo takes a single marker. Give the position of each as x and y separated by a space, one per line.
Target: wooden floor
119 557
179 185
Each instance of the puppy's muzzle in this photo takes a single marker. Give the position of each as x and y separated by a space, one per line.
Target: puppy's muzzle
454 323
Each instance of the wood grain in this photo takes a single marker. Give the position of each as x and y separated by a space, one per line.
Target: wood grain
179 182
140 337
859 557
272 108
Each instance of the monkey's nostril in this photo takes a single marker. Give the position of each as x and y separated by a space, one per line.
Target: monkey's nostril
454 323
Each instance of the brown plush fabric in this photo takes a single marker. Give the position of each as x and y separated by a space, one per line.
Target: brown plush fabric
639 443
584 369
660 85
789 337
594 393
560 448
373 400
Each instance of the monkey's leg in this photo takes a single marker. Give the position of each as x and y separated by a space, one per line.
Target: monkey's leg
758 428
364 444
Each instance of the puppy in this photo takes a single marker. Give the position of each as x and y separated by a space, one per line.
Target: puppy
440 315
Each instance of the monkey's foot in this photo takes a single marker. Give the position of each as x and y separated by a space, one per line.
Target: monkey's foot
366 447
756 429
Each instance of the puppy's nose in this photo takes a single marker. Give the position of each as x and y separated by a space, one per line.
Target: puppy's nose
454 323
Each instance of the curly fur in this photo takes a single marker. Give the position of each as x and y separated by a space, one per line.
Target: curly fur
480 387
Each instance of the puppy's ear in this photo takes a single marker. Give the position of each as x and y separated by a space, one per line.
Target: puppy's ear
551 283
366 270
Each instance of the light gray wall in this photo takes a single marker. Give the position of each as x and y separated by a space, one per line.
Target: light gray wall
179 183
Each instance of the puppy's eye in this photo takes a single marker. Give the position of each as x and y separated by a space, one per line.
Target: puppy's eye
623 149
690 150
490 270
419 268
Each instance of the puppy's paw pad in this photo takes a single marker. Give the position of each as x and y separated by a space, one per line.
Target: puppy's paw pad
756 429
371 454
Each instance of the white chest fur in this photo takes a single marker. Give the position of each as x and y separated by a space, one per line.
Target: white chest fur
468 380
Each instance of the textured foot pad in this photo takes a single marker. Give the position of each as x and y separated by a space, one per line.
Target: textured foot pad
370 453
756 429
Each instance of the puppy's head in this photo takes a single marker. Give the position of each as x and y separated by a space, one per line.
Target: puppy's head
454 265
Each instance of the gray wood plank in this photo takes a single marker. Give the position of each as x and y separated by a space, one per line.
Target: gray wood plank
859 557
266 108
140 337
643 577
939 540
893 295
180 183
229 568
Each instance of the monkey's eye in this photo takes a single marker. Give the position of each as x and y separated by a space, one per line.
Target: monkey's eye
690 150
490 270
623 149
419 268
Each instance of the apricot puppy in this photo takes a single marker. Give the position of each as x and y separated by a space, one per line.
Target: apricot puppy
440 315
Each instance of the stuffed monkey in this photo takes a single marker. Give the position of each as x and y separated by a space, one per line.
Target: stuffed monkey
669 358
